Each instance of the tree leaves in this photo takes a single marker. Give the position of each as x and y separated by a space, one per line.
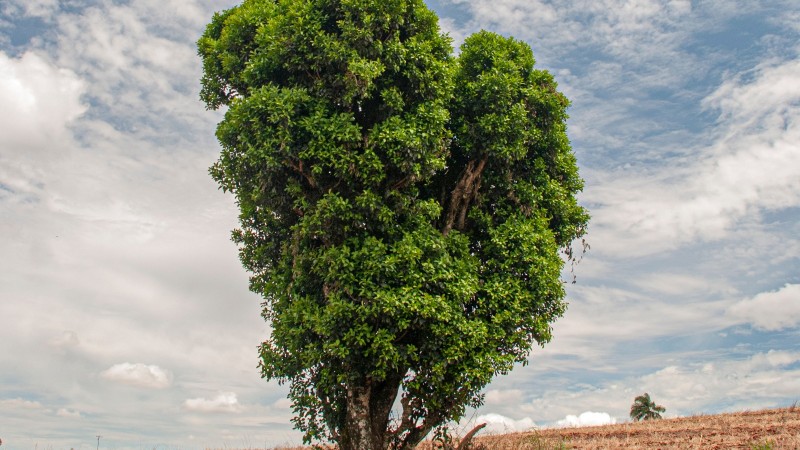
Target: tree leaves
644 408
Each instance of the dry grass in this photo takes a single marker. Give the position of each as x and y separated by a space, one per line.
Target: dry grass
753 430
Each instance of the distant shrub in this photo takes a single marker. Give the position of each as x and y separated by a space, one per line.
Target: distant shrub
766 445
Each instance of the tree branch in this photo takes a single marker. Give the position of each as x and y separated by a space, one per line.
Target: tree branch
298 167
463 194
468 438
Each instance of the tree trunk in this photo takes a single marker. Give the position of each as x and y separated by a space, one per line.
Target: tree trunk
357 433
367 419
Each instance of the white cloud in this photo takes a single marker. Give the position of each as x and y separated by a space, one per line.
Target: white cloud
750 168
709 384
587 419
283 403
19 403
139 375
682 284
642 33
224 402
68 413
762 379
615 314
39 101
40 8
771 311
502 396
497 424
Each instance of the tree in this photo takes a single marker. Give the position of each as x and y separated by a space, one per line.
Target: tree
402 210
644 408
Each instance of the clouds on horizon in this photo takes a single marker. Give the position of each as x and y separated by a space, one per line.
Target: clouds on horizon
587 419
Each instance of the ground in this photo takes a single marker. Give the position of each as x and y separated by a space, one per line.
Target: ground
751 430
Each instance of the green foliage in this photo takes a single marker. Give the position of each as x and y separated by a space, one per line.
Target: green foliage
401 210
643 408
765 445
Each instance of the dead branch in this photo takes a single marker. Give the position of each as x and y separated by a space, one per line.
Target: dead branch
468 438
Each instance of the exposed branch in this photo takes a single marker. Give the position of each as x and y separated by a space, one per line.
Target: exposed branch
298 167
464 444
464 194
417 434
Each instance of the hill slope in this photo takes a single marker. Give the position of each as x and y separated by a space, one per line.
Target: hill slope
771 429
759 430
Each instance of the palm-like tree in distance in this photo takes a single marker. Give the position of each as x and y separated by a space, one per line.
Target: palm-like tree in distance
644 408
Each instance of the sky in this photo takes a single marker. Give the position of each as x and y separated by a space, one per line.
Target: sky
124 311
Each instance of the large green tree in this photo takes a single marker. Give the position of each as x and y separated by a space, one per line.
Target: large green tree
402 210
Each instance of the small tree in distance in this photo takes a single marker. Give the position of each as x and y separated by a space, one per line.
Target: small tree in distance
403 211
644 408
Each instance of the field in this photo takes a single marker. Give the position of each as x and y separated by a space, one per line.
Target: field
753 430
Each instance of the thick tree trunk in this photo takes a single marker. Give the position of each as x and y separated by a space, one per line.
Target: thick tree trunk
358 433
367 420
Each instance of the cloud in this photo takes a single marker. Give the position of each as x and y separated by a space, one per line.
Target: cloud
19 403
69 339
770 311
748 169
643 34
39 101
765 378
142 67
139 375
615 314
587 419
224 402
709 384
35 8
497 424
68 413
283 403
502 396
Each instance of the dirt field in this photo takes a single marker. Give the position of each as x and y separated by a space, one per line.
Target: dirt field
755 430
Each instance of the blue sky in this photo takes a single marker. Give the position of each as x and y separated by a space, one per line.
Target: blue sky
125 312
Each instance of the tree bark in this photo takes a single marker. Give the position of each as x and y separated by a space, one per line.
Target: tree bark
357 432
464 444
463 194
369 406
381 403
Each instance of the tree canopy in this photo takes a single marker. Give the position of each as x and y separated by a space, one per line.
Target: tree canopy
402 210
643 408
